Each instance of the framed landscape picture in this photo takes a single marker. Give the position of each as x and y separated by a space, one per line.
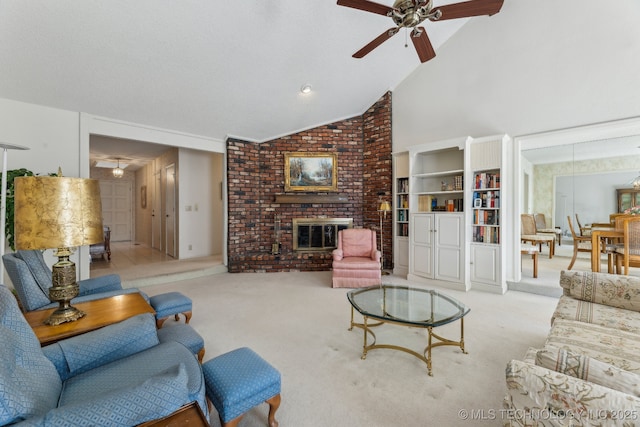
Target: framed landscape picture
310 172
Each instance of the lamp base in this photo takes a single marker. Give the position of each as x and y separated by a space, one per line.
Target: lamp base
64 289
64 314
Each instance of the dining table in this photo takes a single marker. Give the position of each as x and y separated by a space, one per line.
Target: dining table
600 234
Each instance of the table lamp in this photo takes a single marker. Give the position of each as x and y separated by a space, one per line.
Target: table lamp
61 213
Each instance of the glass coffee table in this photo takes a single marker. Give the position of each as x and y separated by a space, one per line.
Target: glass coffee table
406 306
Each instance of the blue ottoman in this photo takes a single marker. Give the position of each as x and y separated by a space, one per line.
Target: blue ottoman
239 380
185 335
171 304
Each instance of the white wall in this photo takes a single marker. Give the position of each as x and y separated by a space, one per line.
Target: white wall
200 204
51 134
535 66
60 138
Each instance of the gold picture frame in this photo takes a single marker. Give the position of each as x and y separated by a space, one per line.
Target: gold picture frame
143 197
310 171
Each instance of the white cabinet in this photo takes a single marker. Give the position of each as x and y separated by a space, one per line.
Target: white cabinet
436 248
485 264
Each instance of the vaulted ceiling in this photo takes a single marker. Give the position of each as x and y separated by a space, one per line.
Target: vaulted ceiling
210 68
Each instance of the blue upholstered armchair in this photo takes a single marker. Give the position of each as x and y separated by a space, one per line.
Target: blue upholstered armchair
31 278
120 375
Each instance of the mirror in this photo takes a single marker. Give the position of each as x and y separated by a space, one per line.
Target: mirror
569 172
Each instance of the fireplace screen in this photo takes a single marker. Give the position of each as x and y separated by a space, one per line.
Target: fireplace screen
318 234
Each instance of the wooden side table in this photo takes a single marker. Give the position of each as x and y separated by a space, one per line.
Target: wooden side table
100 313
188 415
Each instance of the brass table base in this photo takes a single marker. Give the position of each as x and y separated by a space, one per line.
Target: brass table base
426 354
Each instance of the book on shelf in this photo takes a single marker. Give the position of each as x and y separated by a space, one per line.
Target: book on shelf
484 180
486 234
425 203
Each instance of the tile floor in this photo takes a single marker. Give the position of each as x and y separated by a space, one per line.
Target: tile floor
139 264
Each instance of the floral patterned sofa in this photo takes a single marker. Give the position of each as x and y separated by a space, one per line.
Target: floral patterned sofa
588 371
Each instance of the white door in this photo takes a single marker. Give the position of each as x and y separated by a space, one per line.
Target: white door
116 208
170 209
156 213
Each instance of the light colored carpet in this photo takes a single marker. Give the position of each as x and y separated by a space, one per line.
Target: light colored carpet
299 324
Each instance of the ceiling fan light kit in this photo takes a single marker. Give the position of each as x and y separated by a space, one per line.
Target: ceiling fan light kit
411 13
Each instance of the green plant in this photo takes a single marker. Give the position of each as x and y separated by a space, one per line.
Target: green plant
8 225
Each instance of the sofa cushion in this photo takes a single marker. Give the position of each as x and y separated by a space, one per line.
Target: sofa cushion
610 289
613 346
29 383
356 243
586 368
155 397
84 352
133 370
612 317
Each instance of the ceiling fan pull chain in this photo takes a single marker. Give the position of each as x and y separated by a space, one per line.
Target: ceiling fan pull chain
406 37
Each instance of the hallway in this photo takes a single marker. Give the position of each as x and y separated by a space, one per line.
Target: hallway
139 265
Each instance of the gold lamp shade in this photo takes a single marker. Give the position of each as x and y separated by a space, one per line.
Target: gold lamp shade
55 212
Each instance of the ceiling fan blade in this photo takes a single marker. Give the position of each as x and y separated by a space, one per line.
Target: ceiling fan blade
367 6
469 8
376 42
422 44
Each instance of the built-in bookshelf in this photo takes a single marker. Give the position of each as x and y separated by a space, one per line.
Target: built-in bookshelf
486 207
438 181
402 207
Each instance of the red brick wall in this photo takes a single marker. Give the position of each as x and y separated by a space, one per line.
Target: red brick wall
255 175
377 171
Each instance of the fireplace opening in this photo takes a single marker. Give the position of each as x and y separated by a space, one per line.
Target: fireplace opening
318 234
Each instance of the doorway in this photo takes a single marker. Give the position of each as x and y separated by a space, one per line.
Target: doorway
170 209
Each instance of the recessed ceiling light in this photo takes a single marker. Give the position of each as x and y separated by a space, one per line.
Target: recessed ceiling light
305 88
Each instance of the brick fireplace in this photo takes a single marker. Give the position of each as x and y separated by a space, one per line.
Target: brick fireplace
255 176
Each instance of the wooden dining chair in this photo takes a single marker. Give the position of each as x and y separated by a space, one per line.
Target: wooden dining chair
584 231
583 244
528 233
541 228
628 254
580 243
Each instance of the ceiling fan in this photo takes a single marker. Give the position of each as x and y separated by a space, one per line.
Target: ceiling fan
410 13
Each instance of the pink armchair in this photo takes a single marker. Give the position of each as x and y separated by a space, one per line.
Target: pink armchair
356 261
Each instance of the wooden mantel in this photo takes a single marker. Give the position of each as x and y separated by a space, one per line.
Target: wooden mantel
311 198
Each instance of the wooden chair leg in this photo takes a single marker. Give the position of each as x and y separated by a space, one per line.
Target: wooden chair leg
159 322
274 404
534 256
575 255
187 316
233 423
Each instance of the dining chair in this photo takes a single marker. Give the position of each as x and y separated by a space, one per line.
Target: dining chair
529 233
541 228
580 243
583 244
584 231
628 254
